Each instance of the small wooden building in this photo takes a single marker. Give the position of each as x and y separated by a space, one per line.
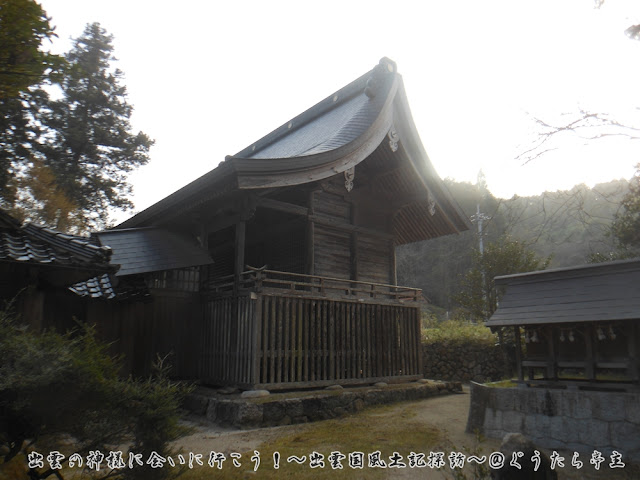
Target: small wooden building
302 227
579 325
37 265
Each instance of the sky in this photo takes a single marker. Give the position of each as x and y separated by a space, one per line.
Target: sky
208 78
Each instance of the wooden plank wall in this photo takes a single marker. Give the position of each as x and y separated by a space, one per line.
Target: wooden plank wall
308 342
228 339
374 259
341 253
169 324
332 252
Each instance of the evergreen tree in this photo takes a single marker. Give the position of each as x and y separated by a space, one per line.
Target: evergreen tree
91 148
626 226
24 27
503 257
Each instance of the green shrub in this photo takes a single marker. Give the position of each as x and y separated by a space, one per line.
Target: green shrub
458 331
55 386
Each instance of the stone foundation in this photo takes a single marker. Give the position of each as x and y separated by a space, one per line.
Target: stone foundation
575 420
301 407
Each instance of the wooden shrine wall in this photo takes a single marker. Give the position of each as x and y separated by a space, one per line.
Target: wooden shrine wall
278 341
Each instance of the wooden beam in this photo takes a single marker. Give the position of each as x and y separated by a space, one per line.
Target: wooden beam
221 223
347 227
281 206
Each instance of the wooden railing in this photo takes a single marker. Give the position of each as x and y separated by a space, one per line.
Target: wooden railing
275 340
262 279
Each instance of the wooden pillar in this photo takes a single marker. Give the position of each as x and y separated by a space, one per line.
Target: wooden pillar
311 229
239 251
631 330
353 245
393 273
354 255
552 366
310 246
590 360
516 336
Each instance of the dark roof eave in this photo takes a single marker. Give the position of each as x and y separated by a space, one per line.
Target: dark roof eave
424 169
223 172
557 321
569 272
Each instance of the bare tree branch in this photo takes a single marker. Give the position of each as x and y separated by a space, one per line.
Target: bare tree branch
587 126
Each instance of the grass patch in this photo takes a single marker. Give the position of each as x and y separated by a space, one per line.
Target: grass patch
454 331
502 384
379 428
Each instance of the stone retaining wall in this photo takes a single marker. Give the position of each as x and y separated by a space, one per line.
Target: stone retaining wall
465 362
301 407
575 420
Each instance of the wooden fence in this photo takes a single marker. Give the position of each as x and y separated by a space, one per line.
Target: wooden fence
279 340
167 325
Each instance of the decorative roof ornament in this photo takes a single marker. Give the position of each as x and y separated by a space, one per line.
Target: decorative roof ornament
349 175
394 138
385 67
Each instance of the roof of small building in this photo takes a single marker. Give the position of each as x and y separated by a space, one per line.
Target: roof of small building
142 250
330 138
588 293
66 258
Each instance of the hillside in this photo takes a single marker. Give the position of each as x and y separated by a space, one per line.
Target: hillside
569 225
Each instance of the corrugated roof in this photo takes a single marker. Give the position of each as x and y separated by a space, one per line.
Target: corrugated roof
142 250
590 293
316 135
331 137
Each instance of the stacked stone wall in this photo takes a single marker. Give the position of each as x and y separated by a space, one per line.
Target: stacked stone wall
465 361
284 409
575 420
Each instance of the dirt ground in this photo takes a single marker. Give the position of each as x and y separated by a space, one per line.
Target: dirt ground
447 413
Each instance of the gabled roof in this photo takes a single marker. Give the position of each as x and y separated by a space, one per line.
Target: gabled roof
329 138
65 258
590 293
142 250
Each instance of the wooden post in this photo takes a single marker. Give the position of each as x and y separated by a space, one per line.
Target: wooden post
310 247
393 274
632 349
516 335
354 255
590 371
239 252
552 370
311 228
